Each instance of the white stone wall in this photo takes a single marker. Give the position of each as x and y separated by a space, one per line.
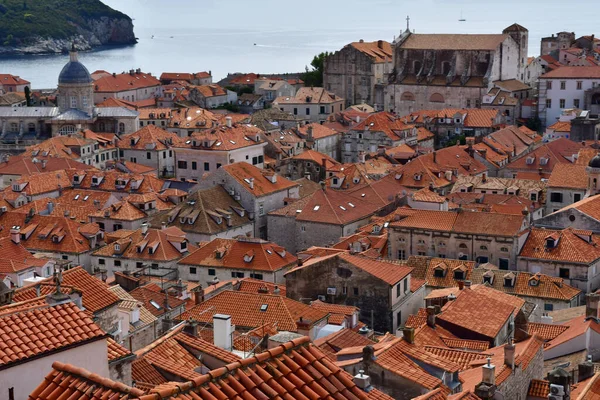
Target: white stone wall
570 93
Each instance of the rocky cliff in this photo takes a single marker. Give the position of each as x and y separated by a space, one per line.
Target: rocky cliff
40 27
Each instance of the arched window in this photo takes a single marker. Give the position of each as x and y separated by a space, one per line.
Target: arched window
121 127
417 66
408 96
462 246
436 98
483 247
67 129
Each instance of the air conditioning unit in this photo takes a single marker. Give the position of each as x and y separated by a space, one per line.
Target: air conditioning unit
321 297
557 390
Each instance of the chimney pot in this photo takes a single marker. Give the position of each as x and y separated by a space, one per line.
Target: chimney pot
362 381
431 316
222 331
461 285
509 354
489 373
468 284
408 334
15 234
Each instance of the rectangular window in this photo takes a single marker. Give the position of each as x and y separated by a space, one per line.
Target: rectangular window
206 166
421 253
307 111
398 318
355 291
563 85
73 102
65 257
406 285
579 85
237 274
398 291
401 255
576 103
261 209
256 276
562 103
101 261
117 263
549 85
212 272
564 273
182 164
548 103
576 197
322 110
149 155
218 165
193 270
556 197
503 264
194 165
548 307
11 393
254 160
164 154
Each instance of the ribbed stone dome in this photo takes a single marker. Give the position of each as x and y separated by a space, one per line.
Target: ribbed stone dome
74 72
595 162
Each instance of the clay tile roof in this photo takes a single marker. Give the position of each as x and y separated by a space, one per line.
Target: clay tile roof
124 82
572 246
143 371
342 339
546 331
571 176
95 294
256 255
116 352
206 347
390 273
453 42
242 171
150 137
427 196
567 72
245 310
461 357
539 388
312 155
465 313
154 301
334 308
380 51
66 381
36 332
258 286
561 126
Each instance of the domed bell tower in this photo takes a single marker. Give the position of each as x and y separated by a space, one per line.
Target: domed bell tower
75 86
593 173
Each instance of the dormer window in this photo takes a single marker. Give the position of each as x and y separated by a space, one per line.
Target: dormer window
507 282
549 243
488 279
543 160
117 247
460 275
530 160
183 245
417 177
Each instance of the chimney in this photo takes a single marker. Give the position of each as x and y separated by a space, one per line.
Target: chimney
163 225
15 234
591 305
277 291
361 157
362 381
468 284
44 164
461 285
408 334
228 220
251 180
191 327
222 331
144 228
546 319
198 295
431 316
434 157
309 132
228 121
484 178
585 370
509 354
489 373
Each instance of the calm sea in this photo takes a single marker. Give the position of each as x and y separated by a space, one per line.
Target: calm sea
272 36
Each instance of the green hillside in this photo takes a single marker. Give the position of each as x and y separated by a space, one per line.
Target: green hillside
21 20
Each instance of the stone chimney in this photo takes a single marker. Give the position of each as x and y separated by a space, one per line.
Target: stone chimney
309 132
222 331
591 305
277 291
15 234
191 327
468 284
229 121
431 316
486 389
144 228
409 334
509 354
585 370
489 373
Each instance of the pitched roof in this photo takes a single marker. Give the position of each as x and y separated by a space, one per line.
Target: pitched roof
255 255
252 285
570 245
570 176
340 340
379 51
245 310
310 95
392 126
149 138
33 333
154 301
567 72
547 156
26 165
8 79
242 172
95 294
223 138
561 126
66 381
453 42
116 352
124 82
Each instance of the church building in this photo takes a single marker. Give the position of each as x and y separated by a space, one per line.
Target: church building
75 112
438 71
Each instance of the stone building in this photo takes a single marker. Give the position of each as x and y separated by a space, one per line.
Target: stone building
551 45
315 104
378 288
353 72
436 71
75 111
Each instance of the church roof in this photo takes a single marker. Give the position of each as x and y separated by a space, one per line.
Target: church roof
453 42
74 72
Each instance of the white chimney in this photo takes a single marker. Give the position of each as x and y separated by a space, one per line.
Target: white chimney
489 373
15 234
222 331
547 319
228 121
144 228
251 183
362 381
509 354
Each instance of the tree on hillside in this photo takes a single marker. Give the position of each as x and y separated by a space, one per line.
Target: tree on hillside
314 76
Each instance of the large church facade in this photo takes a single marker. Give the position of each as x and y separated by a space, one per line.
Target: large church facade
439 71
75 111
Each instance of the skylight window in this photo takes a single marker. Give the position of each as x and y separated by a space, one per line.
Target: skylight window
351 205
269 251
155 304
247 180
316 208
218 144
85 198
264 307
343 208
232 142
77 197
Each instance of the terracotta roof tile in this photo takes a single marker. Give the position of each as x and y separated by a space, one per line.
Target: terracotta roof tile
539 388
251 285
379 51
570 246
546 331
242 171
125 82
567 72
143 371
154 301
339 340
547 156
453 42
572 176
461 357
36 332
206 347
116 352
317 95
